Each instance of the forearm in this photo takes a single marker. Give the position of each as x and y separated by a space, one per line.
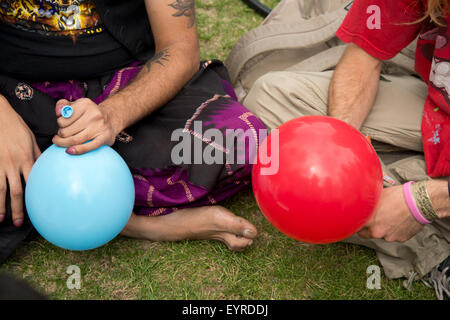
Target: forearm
354 86
160 80
438 191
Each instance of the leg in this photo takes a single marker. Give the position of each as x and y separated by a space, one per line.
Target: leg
176 201
278 97
12 288
200 223
395 118
394 125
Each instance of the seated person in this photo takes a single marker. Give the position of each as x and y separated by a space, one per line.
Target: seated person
407 118
131 72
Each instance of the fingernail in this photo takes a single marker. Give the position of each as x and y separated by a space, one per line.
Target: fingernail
18 222
2 217
248 233
71 151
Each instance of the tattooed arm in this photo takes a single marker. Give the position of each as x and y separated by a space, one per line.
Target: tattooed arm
175 62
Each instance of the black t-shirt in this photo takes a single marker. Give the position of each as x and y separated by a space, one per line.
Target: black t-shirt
42 40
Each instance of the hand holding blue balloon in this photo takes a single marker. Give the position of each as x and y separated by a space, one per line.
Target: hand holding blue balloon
85 125
79 202
67 112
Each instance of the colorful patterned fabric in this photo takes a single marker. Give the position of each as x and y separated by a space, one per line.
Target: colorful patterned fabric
61 17
161 186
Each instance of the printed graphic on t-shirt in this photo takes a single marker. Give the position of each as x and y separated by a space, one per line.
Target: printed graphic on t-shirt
52 17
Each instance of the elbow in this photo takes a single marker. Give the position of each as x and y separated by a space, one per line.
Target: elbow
193 62
356 61
377 65
188 56
355 54
185 57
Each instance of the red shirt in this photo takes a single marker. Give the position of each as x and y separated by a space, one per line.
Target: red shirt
432 63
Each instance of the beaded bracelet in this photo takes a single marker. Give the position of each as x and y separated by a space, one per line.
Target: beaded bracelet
412 204
423 200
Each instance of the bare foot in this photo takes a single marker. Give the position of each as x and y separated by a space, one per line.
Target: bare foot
203 223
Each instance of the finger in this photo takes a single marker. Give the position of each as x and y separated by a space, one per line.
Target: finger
2 197
86 147
74 140
16 195
372 221
392 238
26 170
364 233
73 129
36 151
59 105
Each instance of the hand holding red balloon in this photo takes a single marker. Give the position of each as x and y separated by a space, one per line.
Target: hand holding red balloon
328 183
392 220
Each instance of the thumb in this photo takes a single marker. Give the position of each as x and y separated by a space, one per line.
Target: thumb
59 105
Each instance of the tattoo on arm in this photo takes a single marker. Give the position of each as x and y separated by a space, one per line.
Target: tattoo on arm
185 8
158 58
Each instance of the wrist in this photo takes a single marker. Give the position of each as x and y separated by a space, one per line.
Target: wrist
439 194
112 115
346 117
411 202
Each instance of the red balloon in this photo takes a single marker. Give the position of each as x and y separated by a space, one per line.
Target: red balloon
328 182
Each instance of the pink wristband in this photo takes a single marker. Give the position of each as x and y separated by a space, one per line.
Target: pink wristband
412 205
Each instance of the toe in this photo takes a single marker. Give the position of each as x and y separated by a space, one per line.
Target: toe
228 222
250 231
235 243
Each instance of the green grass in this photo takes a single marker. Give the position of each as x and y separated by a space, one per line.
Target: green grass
276 267
222 22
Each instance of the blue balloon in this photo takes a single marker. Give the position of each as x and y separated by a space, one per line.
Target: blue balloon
79 202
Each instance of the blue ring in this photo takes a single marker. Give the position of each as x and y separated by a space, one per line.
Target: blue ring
67 112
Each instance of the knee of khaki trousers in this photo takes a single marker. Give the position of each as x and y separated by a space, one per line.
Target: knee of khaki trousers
278 97
395 118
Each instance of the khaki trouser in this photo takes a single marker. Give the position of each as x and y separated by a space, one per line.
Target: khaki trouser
394 126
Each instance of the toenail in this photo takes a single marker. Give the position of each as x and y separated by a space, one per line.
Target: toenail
248 233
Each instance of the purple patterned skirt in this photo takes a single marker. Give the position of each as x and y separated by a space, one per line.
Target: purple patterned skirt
207 102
